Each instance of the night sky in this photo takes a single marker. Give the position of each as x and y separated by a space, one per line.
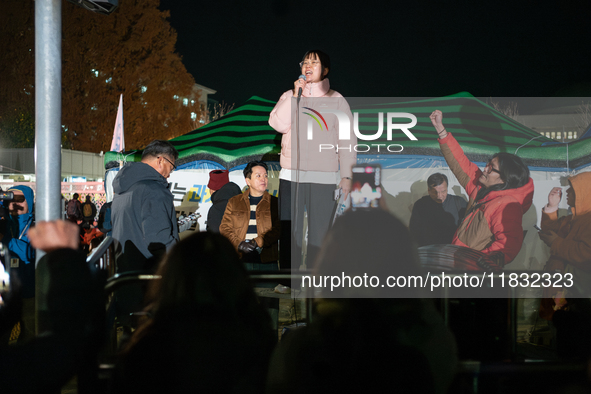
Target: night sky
401 49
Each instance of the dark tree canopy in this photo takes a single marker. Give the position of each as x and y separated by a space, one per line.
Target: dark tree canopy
17 75
130 52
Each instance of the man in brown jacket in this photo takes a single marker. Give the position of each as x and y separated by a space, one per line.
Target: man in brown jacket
251 220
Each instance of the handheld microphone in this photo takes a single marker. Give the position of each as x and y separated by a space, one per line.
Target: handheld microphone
300 89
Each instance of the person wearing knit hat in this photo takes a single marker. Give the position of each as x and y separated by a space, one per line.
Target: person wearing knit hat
221 190
217 179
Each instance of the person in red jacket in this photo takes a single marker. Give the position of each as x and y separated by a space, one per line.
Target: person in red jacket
499 196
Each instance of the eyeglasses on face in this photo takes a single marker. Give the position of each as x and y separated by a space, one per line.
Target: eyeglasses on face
171 163
489 168
307 63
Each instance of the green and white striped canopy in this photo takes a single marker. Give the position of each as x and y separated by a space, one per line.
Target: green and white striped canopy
244 134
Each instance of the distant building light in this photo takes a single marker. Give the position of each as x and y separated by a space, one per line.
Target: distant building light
192 102
185 102
95 72
175 97
143 89
193 116
94 108
109 80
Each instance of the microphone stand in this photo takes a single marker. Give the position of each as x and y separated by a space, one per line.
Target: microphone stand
297 182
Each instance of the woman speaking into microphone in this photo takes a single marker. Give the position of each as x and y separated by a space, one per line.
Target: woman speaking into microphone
320 172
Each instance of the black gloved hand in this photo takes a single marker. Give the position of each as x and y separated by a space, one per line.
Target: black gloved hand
247 246
255 247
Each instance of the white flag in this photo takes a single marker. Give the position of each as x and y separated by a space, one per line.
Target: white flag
118 144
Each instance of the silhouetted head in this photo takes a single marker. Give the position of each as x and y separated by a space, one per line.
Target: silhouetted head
372 243
204 275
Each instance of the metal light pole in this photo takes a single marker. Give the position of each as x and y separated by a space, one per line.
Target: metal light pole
48 112
48 107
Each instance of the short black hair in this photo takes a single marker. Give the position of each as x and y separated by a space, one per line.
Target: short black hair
158 148
324 60
76 196
248 169
436 180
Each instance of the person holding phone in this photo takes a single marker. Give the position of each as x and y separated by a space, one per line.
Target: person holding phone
319 173
499 196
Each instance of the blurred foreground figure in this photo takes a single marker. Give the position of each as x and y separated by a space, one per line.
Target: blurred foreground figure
357 341
206 331
75 315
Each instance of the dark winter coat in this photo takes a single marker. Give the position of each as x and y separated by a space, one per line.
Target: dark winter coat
219 200
92 211
436 223
143 216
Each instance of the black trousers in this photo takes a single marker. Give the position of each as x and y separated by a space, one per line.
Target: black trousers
295 200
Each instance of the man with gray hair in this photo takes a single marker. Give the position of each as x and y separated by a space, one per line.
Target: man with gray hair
435 217
143 217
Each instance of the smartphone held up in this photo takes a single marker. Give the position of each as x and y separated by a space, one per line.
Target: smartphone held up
366 188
